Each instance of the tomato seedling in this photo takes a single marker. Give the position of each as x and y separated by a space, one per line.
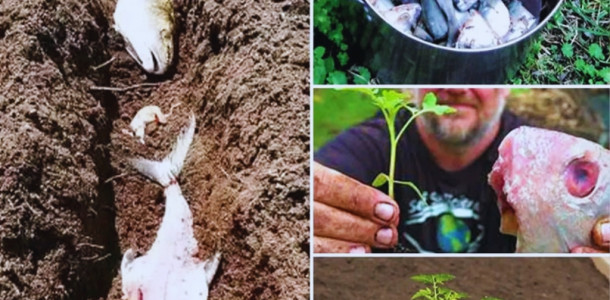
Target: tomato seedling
436 291
391 102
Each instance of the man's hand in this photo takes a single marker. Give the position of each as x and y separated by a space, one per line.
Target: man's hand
350 216
600 235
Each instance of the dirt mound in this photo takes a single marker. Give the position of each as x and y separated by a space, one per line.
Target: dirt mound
69 203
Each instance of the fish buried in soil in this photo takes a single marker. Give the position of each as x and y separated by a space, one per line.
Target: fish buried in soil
169 270
552 187
144 116
148 29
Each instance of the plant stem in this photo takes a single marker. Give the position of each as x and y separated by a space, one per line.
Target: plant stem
393 146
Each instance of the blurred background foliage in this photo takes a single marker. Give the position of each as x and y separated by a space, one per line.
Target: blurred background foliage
580 112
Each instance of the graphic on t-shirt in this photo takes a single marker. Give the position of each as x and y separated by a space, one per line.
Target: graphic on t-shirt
452 234
450 214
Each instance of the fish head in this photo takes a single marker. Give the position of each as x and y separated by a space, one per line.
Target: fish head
148 30
551 188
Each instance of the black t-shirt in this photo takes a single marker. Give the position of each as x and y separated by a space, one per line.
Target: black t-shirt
461 215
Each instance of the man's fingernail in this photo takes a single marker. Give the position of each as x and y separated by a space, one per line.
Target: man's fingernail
384 211
357 250
384 236
606 232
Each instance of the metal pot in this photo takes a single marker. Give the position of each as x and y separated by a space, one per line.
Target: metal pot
398 58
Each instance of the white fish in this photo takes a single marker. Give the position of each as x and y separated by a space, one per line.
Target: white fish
169 270
144 116
148 29
381 5
521 21
464 5
476 33
496 14
404 16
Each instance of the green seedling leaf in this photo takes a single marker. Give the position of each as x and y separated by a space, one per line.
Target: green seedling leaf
423 278
567 50
429 103
443 277
411 185
423 294
596 51
380 180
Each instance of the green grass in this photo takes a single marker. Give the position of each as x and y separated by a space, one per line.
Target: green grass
574 47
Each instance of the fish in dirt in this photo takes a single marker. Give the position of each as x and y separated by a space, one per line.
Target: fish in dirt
552 187
147 26
169 270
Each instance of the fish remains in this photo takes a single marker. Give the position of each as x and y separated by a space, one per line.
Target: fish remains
552 187
461 23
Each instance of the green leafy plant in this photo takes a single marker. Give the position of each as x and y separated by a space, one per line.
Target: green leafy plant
330 62
390 103
573 48
436 290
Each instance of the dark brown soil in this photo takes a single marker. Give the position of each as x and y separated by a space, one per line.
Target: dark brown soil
69 203
515 278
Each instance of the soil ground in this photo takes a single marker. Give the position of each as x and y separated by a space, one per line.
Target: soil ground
511 278
69 203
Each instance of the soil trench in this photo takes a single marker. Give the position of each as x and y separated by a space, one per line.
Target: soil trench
69 203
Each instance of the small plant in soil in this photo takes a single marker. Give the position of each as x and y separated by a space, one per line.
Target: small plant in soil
436 290
390 103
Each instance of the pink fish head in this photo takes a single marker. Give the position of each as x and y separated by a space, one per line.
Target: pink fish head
551 188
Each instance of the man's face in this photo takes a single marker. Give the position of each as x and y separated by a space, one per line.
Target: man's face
477 110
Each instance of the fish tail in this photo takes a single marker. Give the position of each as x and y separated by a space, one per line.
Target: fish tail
166 171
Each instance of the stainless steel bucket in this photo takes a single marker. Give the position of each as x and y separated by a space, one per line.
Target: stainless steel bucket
398 58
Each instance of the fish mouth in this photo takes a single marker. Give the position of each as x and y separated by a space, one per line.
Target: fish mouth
508 223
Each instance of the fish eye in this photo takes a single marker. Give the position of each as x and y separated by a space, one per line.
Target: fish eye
580 177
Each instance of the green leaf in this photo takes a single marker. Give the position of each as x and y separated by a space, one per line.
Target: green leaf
590 70
567 50
596 51
318 52
343 58
605 74
329 62
579 64
319 73
423 278
337 77
442 277
413 186
429 101
380 180
424 293
364 76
